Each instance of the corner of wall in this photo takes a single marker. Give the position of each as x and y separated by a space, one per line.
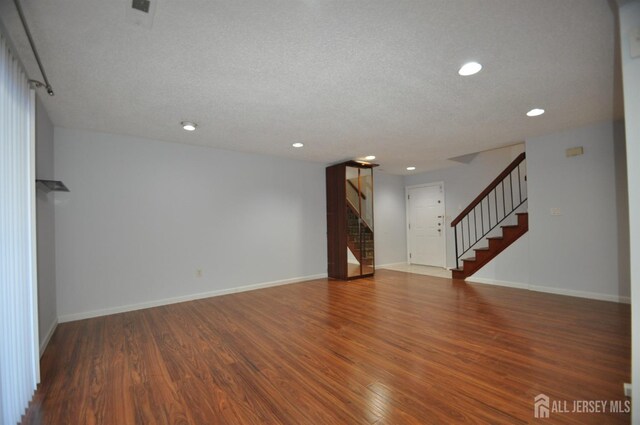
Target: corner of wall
567 196
45 228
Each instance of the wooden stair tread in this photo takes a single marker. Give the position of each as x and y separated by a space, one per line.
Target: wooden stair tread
511 233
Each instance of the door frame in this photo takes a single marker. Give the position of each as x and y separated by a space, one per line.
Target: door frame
407 214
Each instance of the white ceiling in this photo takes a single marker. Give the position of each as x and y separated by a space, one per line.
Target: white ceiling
347 78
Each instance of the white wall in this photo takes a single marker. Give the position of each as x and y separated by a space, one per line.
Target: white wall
45 213
463 182
143 216
389 218
630 19
584 251
510 268
578 250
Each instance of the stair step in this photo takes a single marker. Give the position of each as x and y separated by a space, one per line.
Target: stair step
458 274
497 244
482 253
523 219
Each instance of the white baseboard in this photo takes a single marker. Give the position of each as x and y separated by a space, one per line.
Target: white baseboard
384 266
486 281
582 294
183 298
551 290
45 342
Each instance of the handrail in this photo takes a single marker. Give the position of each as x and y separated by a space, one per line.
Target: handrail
499 201
362 195
355 211
514 164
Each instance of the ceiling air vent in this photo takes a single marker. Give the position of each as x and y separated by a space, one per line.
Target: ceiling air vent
141 5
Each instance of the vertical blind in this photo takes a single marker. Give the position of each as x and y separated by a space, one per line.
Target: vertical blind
19 363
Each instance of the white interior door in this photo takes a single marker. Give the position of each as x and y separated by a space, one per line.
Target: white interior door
426 225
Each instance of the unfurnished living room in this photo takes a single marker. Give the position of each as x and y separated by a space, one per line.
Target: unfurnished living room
319 212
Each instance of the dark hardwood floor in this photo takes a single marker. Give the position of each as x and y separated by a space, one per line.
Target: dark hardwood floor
395 349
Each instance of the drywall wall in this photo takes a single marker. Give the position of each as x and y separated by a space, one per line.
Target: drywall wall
585 250
144 216
629 14
45 227
577 251
622 208
510 268
389 216
463 182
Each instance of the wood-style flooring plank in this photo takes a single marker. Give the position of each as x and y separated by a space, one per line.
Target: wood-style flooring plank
396 348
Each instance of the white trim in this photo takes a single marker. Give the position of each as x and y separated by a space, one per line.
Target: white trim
486 281
183 298
45 342
384 266
581 294
551 290
444 222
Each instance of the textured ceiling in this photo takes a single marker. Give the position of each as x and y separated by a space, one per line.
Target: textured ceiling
346 78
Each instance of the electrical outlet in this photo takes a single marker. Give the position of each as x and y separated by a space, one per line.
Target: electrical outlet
556 211
574 151
199 273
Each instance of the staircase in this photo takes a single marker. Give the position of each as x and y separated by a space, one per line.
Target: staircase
497 244
359 237
481 229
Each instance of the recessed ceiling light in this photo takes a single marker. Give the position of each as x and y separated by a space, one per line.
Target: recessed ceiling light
411 168
470 68
297 145
188 125
535 112
370 157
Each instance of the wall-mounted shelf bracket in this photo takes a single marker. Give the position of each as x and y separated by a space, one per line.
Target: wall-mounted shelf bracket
51 185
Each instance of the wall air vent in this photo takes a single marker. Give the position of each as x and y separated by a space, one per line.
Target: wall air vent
141 5
141 12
